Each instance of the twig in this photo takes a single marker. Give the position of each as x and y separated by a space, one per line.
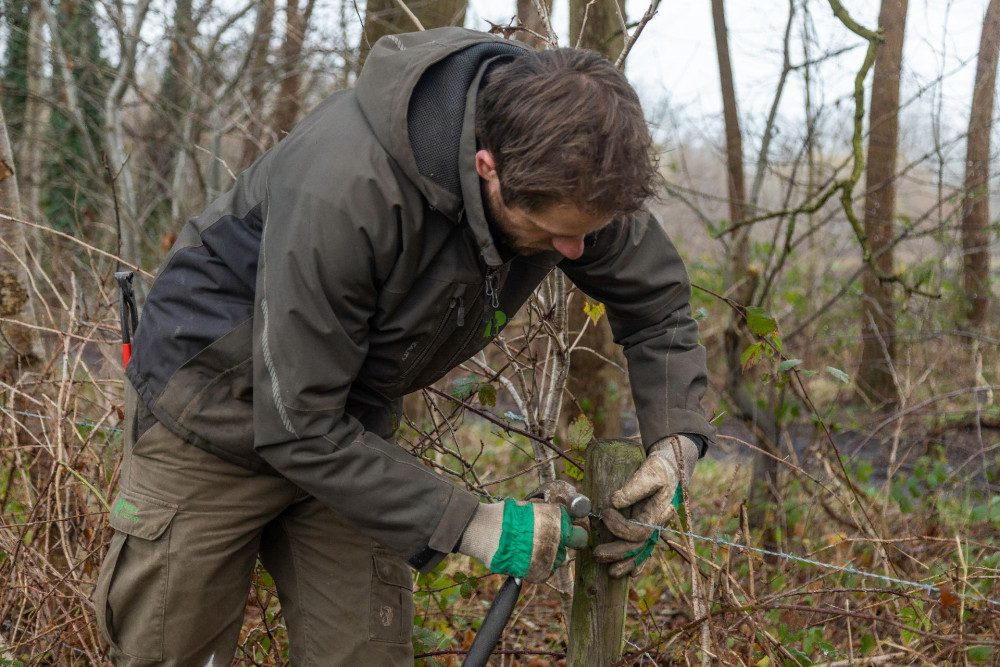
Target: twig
507 426
654 5
413 17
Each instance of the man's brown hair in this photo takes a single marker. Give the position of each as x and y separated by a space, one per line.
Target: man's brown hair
564 126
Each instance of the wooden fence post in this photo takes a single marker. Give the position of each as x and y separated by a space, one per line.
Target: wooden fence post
597 624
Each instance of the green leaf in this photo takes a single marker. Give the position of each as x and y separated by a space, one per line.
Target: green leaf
867 644
700 314
580 433
463 387
995 512
980 653
752 355
572 471
839 374
788 364
487 394
594 310
776 341
760 321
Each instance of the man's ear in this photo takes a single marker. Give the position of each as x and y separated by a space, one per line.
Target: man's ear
486 166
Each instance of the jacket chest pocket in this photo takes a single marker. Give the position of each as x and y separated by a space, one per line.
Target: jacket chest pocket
439 321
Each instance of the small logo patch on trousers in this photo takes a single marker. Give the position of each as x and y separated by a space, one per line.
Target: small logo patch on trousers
385 614
127 511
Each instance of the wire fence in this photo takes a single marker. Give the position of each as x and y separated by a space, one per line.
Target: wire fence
719 541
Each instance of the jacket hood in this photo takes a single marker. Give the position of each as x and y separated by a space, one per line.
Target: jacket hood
418 93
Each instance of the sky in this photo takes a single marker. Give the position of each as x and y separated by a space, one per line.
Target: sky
673 65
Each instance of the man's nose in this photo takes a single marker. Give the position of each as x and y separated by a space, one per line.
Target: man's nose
570 247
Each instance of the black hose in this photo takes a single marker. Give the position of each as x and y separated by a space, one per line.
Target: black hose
494 623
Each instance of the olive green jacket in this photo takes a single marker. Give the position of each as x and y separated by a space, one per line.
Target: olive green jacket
350 265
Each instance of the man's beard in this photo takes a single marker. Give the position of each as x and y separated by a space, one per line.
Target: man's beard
500 226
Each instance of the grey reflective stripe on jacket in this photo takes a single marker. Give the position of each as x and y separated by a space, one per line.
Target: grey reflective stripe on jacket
335 277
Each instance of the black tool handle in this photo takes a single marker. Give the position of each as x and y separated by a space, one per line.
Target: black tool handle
494 623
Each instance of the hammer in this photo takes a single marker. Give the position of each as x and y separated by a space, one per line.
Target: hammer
556 492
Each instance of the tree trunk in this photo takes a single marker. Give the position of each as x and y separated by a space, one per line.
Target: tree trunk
976 205
36 117
290 89
254 143
20 346
735 182
878 311
598 26
741 283
386 17
180 107
114 139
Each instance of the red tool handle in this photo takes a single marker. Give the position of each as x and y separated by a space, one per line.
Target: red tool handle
129 312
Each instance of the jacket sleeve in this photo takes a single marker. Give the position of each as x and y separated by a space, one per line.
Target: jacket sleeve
632 267
320 262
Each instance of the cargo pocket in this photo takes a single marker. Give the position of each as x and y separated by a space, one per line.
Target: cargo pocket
391 606
131 590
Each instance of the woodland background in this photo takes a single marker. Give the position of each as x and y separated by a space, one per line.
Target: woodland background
843 283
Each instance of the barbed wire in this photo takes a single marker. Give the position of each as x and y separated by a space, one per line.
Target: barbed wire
845 569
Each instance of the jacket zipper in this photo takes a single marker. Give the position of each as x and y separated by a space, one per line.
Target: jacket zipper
455 302
491 301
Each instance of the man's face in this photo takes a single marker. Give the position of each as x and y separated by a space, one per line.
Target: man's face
560 227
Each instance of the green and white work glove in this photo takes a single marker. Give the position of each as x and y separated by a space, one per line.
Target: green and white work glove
523 539
654 494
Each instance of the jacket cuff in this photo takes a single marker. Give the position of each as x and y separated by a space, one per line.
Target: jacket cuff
446 536
683 422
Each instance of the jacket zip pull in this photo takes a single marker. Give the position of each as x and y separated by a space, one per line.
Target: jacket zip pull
460 317
491 305
491 289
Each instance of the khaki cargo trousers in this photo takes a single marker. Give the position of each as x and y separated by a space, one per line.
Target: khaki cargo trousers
189 528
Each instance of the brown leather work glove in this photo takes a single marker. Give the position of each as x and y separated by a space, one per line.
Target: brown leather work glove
650 493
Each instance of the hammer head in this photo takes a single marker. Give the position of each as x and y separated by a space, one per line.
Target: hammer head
560 492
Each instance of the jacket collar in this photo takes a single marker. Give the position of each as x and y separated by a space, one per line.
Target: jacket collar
472 195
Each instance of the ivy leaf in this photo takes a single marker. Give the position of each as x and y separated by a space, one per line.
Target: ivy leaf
487 394
580 433
760 321
788 364
594 310
463 387
839 374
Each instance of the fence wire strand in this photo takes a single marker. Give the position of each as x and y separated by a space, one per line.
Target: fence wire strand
845 569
